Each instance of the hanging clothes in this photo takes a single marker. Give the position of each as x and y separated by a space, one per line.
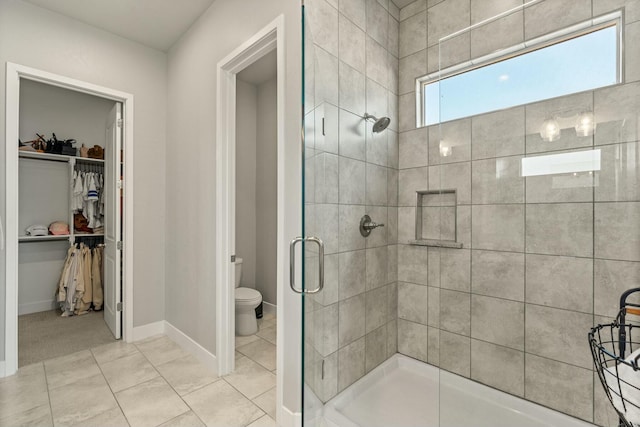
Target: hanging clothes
71 285
88 197
92 199
84 303
80 285
76 199
101 195
96 278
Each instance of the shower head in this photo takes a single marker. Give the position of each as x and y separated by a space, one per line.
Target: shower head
379 124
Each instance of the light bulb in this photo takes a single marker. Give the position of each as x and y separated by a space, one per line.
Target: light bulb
445 150
550 130
586 125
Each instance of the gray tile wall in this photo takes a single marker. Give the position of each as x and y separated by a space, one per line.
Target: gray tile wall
544 258
351 68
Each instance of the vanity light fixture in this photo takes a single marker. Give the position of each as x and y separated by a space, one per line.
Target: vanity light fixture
550 130
445 149
585 125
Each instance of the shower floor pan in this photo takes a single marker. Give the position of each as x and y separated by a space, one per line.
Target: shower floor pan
403 392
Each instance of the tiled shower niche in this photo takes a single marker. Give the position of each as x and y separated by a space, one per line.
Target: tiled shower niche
436 219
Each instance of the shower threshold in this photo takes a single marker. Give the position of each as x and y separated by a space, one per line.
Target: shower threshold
403 392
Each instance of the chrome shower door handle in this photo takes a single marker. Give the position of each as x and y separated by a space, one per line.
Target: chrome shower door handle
320 244
292 264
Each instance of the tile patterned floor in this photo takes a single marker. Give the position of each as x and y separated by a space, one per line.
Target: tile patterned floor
149 383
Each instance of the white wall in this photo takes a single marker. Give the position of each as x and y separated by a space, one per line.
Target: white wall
45 109
191 130
246 114
267 191
256 186
38 38
43 199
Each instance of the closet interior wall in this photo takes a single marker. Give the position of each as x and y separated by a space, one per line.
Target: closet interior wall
45 185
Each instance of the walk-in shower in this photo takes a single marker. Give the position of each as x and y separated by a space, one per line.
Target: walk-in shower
502 246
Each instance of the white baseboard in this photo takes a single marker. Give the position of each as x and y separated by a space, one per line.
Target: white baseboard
288 418
267 307
192 347
148 330
36 307
163 327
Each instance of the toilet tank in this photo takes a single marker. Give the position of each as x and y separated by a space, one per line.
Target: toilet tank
238 271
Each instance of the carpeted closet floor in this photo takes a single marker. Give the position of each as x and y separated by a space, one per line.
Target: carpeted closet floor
46 335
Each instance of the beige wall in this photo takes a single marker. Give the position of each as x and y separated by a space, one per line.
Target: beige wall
191 175
256 186
544 258
266 191
246 131
38 38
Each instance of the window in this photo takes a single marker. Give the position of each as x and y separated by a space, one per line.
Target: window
569 63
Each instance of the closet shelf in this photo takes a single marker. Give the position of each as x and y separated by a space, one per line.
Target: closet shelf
42 238
55 157
88 235
50 237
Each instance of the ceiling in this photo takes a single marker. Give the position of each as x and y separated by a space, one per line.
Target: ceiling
154 23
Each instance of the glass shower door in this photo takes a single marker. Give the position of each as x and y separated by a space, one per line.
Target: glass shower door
350 161
320 220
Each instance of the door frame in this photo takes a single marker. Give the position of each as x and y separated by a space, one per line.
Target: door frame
14 73
266 40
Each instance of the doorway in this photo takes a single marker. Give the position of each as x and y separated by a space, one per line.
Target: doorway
256 213
265 46
67 216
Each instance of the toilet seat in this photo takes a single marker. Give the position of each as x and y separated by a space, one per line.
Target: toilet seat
248 296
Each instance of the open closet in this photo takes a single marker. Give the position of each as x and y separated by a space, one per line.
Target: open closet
69 221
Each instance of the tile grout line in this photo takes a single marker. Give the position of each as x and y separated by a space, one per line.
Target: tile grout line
245 396
174 390
524 249
190 410
46 381
593 258
258 363
339 301
250 358
109 385
165 380
113 393
541 254
471 163
502 346
274 388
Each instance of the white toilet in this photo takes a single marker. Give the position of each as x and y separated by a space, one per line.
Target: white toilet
247 300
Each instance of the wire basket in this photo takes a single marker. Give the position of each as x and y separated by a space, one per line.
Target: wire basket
612 345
